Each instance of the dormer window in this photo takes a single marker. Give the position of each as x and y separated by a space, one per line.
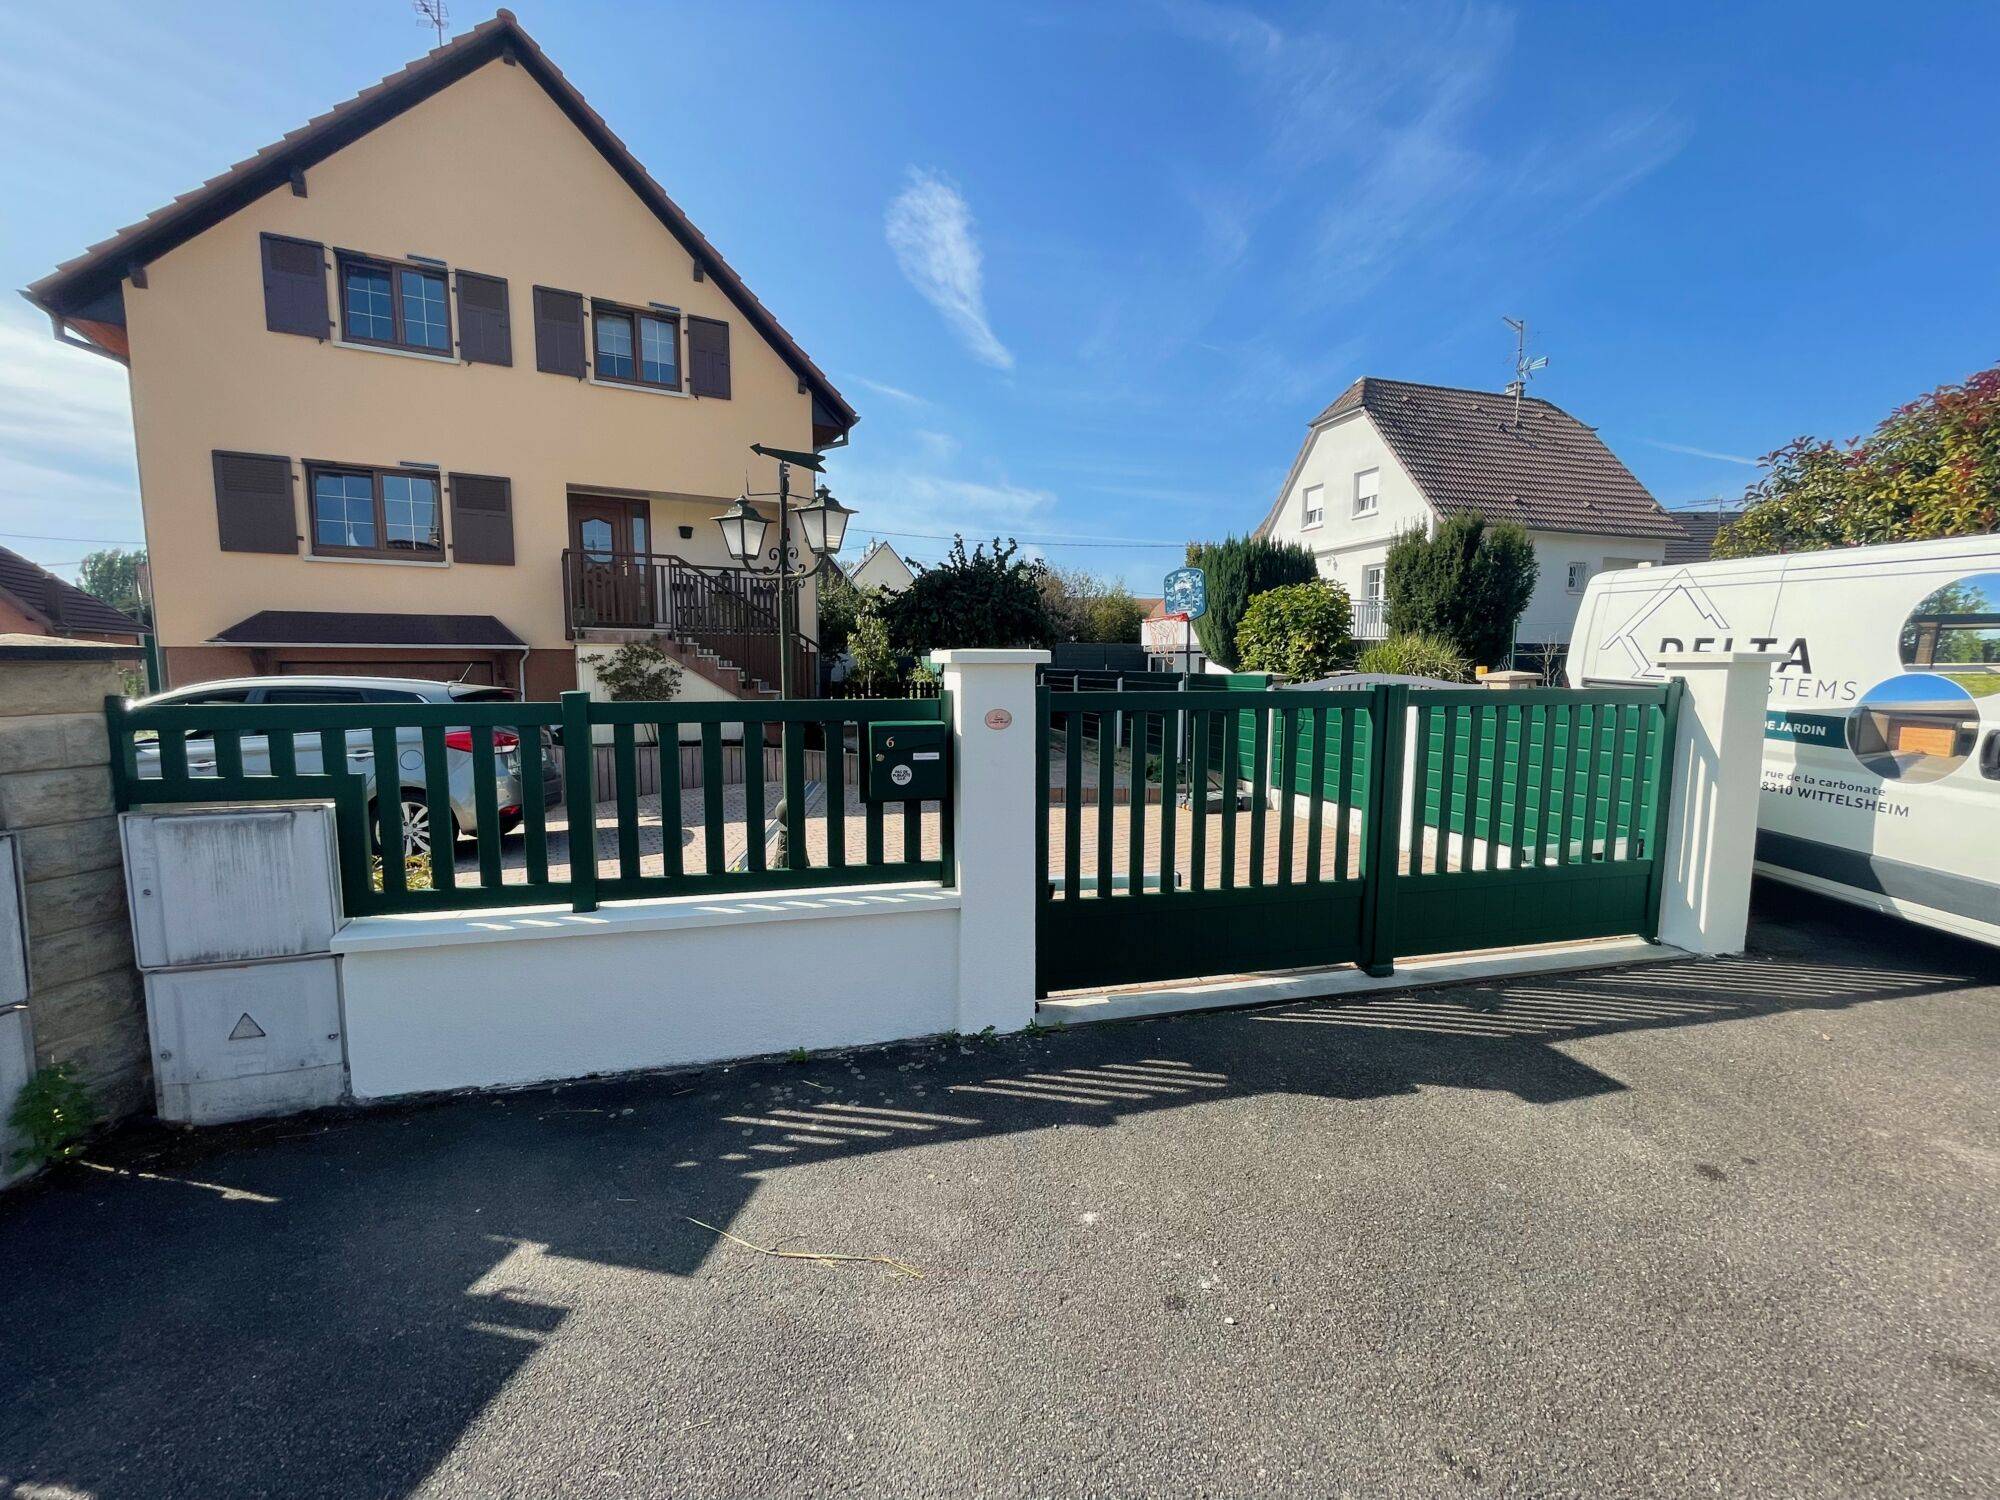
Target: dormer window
396 306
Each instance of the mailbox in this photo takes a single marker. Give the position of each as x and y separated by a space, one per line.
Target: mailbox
906 760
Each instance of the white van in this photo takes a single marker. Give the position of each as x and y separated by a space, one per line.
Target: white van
1882 741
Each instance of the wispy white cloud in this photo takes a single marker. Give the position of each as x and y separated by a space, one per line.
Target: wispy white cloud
66 459
883 388
930 229
1727 458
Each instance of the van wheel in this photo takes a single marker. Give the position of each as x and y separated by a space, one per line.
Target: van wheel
416 826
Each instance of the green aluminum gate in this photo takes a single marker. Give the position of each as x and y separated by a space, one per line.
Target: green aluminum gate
1193 834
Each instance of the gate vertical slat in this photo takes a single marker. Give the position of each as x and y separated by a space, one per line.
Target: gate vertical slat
1135 808
1612 809
913 832
625 768
1260 788
1230 729
1420 793
1544 817
1343 862
1596 756
1572 780
1073 807
671 819
792 739
714 854
535 810
1043 728
437 801
1198 802
486 805
837 797
388 811
753 796
1107 779
283 753
1523 731
1170 735
1498 774
1288 750
1447 788
1316 797
1388 735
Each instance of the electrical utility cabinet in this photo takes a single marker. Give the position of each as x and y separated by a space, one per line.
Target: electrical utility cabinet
906 760
231 885
233 915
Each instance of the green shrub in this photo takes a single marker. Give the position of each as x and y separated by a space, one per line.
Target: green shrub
51 1113
1417 655
1238 569
976 598
637 672
1299 629
1468 582
416 872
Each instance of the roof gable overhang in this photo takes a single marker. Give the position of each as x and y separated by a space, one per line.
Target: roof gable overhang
89 290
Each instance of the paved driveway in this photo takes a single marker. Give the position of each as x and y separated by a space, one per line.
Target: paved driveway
1722 1228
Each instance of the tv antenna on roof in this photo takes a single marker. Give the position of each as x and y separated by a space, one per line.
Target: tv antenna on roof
434 13
1523 366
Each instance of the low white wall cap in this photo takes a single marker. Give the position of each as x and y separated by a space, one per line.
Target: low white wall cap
673 913
1681 661
1013 656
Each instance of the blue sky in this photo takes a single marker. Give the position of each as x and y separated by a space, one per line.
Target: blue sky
1087 270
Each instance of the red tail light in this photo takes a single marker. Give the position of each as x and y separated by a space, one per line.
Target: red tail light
461 739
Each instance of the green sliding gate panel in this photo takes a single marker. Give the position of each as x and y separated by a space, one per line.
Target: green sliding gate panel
1157 865
1185 838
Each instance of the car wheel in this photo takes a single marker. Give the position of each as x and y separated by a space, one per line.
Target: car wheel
416 827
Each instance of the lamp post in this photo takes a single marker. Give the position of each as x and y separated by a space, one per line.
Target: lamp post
822 524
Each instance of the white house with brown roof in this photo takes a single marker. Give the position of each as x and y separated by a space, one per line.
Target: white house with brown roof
1391 455
443 383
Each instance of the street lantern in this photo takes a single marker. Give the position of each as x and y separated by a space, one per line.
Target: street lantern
823 522
743 528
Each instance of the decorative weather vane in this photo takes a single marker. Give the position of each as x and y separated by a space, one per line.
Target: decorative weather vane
1524 367
435 15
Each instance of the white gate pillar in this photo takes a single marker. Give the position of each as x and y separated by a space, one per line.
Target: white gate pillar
1711 836
993 725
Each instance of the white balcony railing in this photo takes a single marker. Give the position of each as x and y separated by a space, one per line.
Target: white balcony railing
1370 620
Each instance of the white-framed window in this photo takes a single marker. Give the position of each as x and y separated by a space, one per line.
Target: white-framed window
1367 491
1312 505
1579 575
1371 583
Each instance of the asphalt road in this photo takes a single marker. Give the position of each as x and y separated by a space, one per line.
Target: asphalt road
1724 1228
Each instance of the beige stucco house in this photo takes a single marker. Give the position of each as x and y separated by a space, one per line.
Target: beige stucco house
1391 455
443 383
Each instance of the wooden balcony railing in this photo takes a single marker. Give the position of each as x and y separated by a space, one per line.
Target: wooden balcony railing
728 611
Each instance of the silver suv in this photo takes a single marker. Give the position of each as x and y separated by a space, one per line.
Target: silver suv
361 744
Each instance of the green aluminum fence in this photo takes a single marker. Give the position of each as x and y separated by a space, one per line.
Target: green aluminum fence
177 754
1324 826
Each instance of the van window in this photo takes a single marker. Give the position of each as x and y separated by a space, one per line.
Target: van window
485 695
313 695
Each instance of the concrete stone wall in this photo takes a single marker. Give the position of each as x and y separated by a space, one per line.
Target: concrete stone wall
84 997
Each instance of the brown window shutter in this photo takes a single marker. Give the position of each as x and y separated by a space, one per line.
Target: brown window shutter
253 503
558 332
482 519
485 333
708 357
295 287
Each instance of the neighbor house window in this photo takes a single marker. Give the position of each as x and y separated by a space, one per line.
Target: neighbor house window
1314 505
375 512
637 348
397 306
1367 491
1579 575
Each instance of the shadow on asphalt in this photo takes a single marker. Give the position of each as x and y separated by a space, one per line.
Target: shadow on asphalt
296 1308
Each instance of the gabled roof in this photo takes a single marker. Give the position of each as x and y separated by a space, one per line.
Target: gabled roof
88 289
1696 542
1466 452
64 605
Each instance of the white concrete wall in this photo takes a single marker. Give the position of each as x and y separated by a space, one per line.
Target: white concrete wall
473 1000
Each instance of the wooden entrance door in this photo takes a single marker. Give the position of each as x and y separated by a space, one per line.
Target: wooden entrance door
611 571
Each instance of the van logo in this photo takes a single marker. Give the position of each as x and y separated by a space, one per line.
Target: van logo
1683 607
